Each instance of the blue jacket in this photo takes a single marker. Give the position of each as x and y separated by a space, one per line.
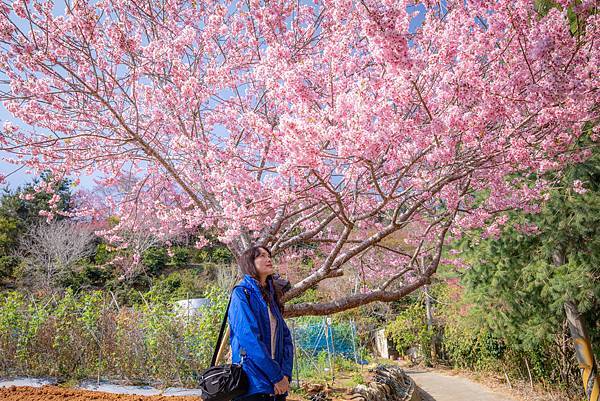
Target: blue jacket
251 331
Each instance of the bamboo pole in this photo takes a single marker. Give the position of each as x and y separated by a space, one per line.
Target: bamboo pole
223 345
583 350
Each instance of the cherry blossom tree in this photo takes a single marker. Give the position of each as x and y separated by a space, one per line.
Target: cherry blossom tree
328 128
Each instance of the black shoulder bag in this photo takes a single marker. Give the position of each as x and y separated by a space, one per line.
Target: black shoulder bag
224 382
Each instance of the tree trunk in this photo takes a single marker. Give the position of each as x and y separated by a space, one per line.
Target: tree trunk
582 344
429 312
583 351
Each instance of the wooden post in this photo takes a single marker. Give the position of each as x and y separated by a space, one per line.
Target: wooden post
529 373
295 353
326 327
506 377
353 340
429 313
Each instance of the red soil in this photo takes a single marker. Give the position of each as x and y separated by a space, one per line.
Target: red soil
54 393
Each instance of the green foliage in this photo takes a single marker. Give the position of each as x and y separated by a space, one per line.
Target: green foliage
87 334
221 255
509 314
174 346
467 344
155 259
8 265
180 257
9 227
357 379
514 282
410 329
88 276
318 367
12 326
178 285
17 213
103 254
21 322
310 295
201 332
216 254
75 333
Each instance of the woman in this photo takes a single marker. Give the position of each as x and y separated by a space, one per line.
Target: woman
259 335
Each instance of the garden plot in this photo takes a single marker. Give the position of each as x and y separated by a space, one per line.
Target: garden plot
50 392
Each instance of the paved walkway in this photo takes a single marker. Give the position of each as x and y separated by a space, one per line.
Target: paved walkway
439 387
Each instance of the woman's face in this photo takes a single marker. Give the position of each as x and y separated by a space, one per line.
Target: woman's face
264 266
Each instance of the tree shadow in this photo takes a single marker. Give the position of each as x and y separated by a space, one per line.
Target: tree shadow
425 396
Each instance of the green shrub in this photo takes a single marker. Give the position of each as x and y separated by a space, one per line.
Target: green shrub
155 259
88 335
180 257
409 329
178 285
12 327
87 275
8 264
103 254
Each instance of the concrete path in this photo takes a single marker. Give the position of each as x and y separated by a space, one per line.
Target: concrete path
439 387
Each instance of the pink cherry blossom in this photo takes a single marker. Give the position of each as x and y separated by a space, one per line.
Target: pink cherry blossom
578 187
324 130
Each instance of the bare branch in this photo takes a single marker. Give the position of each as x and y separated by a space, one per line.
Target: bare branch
51 251
353 301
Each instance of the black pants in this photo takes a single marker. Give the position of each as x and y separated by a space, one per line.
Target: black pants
263 397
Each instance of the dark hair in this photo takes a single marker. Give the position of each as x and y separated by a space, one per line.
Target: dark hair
247 266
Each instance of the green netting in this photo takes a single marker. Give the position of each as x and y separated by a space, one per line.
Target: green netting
338 338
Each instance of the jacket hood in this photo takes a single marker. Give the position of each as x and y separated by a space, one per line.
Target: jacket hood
250 283
276 281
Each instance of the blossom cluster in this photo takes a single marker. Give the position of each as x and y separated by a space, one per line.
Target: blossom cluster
255 120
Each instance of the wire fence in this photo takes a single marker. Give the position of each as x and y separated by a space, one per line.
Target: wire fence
91 336
324 346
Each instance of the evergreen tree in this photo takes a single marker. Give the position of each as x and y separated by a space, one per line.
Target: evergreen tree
514 283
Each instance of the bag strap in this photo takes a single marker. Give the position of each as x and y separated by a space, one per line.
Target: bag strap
224 323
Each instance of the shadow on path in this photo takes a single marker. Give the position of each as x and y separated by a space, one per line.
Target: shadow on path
425 396
434 386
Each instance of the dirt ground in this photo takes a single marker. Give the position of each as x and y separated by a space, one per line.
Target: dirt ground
55 393
437 385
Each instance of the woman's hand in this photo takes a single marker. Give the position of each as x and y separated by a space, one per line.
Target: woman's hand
282 386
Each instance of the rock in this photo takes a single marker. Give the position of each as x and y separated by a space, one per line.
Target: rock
389 383
386 389
321 396
355 397
313 388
